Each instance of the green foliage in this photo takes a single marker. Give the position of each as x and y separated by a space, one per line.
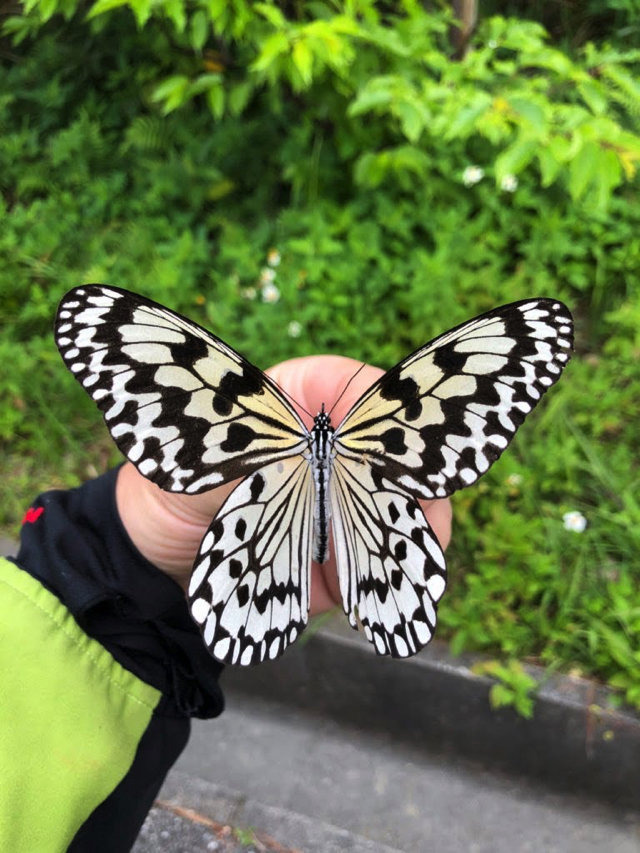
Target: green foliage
514 686
332 173
382 79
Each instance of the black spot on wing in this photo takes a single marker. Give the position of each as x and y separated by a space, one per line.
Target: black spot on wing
448 360
394 514
239 437
190 350
235 568
240 529
396 578
400 550
234 385
257 486
393 388
393 441
381 590
413 410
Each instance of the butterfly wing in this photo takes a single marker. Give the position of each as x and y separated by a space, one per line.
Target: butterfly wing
431 425
436 421
249 591
391 568
185 408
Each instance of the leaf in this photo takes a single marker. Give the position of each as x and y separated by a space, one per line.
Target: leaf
171 92
271 14
378 92
273 47
102 6
238 96
593 96
549 165
216 98
530 111
303 62
412 120
583 167
199 29
514 159
176 12
465 120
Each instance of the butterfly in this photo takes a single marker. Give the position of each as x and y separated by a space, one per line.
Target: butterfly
191 413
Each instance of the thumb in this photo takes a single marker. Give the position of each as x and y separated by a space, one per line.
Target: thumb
333 380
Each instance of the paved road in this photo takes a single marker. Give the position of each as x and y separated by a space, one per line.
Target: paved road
375 789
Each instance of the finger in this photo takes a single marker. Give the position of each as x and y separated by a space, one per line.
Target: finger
314 380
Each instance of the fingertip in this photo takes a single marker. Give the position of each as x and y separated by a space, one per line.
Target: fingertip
335 380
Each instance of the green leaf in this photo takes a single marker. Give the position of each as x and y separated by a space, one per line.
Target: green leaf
272 14
141 10
514 159
530 111
593 96
303 61
238 96
199 29
102 6
583 168
273 47
176 12
171 92
412 120
466 117
549 166
215 98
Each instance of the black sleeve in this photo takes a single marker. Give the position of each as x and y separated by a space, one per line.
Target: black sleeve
75 544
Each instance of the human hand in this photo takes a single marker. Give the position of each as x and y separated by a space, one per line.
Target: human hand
167 527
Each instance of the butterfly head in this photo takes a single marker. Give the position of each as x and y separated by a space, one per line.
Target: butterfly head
322 421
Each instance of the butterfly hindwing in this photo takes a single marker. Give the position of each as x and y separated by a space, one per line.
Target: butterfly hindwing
436 421
391 568
185 408
249 590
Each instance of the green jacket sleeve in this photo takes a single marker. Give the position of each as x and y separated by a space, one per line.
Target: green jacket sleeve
101 672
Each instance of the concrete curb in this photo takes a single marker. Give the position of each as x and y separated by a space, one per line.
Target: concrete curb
577 740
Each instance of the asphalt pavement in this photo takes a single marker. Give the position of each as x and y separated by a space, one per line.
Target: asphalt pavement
311 784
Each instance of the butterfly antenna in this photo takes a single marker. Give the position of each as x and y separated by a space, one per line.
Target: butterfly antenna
287 394
342 393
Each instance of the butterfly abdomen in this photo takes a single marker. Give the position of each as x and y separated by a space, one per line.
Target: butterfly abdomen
321 461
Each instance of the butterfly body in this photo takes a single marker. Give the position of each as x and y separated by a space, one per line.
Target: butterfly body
321 460
191 413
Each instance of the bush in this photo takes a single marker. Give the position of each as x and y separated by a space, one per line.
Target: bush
342 176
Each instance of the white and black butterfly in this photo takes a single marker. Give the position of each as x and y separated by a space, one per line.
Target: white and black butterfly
191 414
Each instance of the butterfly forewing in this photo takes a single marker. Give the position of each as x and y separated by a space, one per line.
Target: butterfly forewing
249 591
185 408
442 416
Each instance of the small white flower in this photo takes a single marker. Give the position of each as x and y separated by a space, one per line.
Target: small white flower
273 257
270 293
574 521
249 293
472 175
492 44
267 275
514 480
509 183
294 329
